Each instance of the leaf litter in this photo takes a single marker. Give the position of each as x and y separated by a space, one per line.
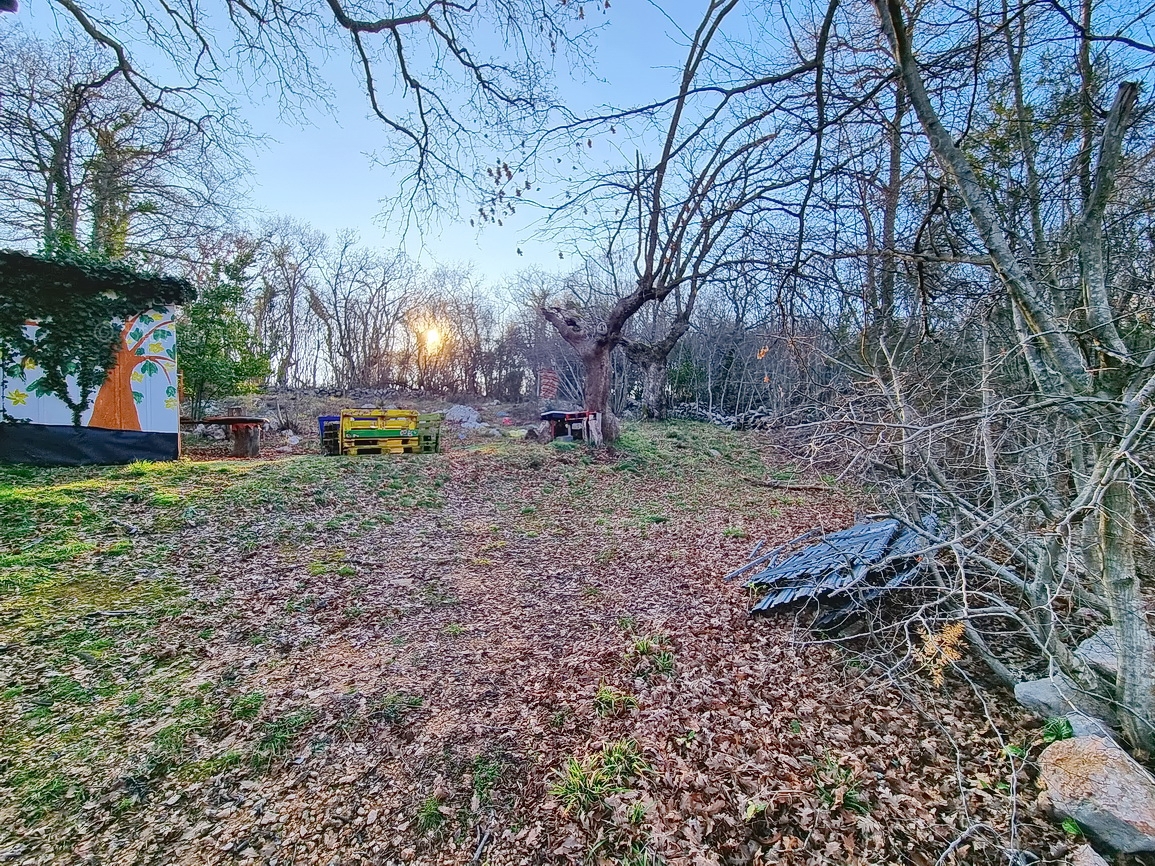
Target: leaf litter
319 660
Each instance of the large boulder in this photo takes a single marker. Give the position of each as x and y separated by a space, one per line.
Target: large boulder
1087 726
462 415
1096 784
1058 695
1100 652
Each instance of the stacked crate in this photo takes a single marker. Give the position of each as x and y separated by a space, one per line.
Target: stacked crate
380 431
429 432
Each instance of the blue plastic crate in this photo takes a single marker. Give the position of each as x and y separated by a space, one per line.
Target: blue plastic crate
322 420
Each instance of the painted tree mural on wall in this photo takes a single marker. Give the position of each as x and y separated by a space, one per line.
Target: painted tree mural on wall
144 380
145 350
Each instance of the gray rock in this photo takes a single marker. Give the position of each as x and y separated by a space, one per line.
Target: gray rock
1085 855
1096 784
1100 651
462 415
1059 695
1083 725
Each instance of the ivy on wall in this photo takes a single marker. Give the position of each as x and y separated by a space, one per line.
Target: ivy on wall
74 298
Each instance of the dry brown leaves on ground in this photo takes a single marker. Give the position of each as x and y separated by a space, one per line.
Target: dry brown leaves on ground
506 654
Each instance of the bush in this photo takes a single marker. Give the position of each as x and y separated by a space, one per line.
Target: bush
218 354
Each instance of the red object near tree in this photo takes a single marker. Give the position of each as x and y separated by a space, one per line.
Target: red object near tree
549 384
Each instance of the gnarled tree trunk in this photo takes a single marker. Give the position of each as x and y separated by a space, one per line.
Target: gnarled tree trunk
654 358
595 350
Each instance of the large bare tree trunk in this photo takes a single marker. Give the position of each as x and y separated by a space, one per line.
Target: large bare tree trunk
654 377
653 358
595 351
1135 651
598 390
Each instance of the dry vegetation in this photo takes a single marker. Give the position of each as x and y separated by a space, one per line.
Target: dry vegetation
506 653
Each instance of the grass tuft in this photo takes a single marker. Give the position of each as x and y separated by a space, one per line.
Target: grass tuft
277 735
581 785
609 701
248 706
429 815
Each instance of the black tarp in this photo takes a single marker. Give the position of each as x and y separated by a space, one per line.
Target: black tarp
55 445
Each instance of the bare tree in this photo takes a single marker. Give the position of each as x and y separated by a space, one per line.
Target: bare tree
288 263
82 159
1085 362
363 302
452 83
716 163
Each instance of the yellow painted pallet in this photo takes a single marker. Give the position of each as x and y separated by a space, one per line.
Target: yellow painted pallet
410 445
383 431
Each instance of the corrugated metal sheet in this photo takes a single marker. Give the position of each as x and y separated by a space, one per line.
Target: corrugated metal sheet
855 564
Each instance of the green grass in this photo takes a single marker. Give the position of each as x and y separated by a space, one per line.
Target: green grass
393 707
247 706
37 793
581 785
486 774
644 645
838 786
199 771
429 815
278 735
89 588
648 649
664 662
193 716
609 701
639 854
436 594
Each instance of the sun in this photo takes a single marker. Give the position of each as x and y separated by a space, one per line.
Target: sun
432 339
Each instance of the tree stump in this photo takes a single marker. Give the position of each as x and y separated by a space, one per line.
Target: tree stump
246 440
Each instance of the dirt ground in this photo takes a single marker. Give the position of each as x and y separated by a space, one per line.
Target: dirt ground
506 653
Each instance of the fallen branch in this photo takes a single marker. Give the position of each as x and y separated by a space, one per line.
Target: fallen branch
787 485
480 846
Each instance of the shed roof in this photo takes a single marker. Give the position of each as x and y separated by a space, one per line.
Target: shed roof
51 278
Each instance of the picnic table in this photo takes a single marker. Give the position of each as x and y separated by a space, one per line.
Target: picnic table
245 429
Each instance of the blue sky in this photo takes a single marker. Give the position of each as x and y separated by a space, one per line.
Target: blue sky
342 188
320 170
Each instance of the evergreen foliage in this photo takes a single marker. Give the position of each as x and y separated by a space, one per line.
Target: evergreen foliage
219 355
